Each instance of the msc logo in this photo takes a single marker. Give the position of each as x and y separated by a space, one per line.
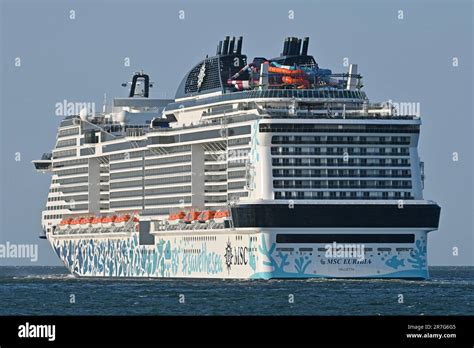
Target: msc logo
228 255
235 256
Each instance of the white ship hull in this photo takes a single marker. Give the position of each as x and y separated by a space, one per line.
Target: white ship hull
231 254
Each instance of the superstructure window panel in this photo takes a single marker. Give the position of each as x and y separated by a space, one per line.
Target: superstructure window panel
152 151
66 142
72 171
125 184
121 194
234 196
237 174
126 203
126 156
238 163
75 198
70 163
238 142
330 128
168 170
347 184
341 162
351 195
236 185
126 145
337 151
168 201
67 181
215 167
78 207
168 190
122 175
215 178
64 153
126 165
332 139
68 132
167 160
168 180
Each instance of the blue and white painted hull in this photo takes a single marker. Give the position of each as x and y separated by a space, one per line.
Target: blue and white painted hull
245 254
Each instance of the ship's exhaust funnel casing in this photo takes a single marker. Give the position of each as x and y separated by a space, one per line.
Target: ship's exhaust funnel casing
239 45
285 46
231 46
290 47
294 46
225 47
304 51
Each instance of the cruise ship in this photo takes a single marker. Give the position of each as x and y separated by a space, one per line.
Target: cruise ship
270 168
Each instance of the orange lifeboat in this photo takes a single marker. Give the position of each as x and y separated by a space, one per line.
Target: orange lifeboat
108 220
191 216
206 215
85 221
177 216
65 223
121 220
75 223
221 215
96 221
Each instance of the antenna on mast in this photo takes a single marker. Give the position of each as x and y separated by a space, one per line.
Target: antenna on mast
104 105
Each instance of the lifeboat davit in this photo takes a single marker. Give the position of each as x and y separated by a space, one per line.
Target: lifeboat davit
206 215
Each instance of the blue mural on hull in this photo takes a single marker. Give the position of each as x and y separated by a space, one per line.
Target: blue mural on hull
417 258
281 267
177 257
126 258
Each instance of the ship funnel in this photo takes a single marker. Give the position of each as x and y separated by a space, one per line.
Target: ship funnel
304 51
298 47
225 46
239 45
293 50
292 46
231 45
285 46
219 48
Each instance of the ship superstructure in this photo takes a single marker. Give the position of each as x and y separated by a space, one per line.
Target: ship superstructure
262 169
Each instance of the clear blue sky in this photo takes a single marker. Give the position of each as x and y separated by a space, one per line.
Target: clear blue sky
407 60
